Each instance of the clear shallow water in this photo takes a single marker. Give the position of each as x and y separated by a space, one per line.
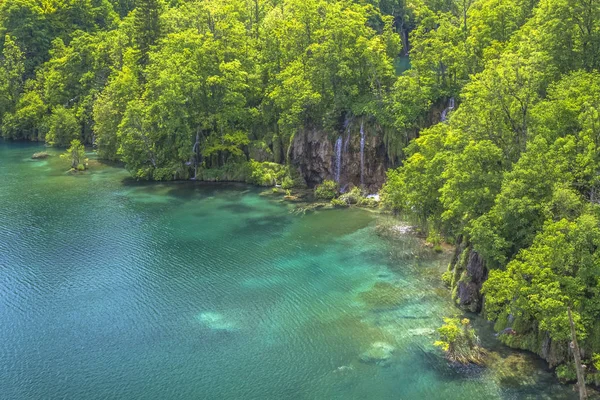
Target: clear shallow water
120 290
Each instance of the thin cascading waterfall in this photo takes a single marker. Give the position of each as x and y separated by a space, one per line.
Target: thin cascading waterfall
450 107
347 142
196 155
362 154
404 40
338 158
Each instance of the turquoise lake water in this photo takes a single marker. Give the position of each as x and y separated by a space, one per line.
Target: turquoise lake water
112 289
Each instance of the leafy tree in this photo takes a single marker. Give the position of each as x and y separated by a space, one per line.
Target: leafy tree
109 110
12 69
26 121
75 155
147 26
560 269
62 127
472 180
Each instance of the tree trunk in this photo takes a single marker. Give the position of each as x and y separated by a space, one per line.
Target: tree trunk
577 356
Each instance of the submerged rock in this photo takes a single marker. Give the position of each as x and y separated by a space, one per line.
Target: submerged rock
421 332
379 353
216 321
40 155
384 295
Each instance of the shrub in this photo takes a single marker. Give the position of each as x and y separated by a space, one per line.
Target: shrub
459 341
163 174
266 173
434 237
447 278
75 155
566 373
288 183
368 202
338 203
327 190
354 196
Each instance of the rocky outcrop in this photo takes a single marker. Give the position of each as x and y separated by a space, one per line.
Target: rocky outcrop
313 152
468 275
469 286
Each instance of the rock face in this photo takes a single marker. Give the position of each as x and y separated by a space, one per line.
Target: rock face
468 275
315 154
40 155
469 286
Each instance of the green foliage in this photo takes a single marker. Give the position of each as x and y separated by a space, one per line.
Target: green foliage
327 190
514 171
62 127
459 341
368 202
147 26
566 373
555 272
596 361
338 203
12 69
447 278
353 196
267 173
75 156
109 109
26 122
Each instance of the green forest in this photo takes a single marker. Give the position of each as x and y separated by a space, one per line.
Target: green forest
488 112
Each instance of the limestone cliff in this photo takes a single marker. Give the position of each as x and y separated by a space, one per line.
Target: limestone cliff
319 155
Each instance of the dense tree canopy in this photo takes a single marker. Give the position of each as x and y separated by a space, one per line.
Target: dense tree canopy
513 174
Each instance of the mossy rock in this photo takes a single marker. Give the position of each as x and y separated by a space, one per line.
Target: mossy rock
40 155
384 295
514 370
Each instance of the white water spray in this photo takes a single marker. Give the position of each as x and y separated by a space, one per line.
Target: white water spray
338 158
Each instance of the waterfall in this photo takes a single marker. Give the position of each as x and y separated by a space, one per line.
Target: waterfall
362 153
347 142
404 39
450 107
338 158
196 155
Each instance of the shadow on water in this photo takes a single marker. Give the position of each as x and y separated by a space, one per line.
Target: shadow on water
237 208
268 225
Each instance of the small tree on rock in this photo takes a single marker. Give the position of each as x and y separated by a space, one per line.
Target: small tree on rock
76 156
459 342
